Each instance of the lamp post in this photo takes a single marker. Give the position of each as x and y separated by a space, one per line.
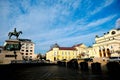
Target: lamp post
15 54
17 47
14 51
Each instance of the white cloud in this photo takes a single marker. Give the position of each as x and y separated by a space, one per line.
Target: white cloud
62 33
118 23
100 21
57 36
102 6
47 22
70 41
41 20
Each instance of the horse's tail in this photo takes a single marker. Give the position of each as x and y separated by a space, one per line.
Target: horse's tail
20 32
9 33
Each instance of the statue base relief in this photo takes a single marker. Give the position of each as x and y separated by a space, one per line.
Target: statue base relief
11 51
12 44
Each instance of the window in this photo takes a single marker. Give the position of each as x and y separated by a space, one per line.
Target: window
22 53
26 53
26 57
9 55
23 47
22 50
31 50
26 50
31 47
65 53
30 57
22 44
26 47
30 53
113 32
68 53
27 44
55 53
62 53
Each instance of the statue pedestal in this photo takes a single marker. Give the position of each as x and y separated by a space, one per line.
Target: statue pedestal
11 51
11 41
12 45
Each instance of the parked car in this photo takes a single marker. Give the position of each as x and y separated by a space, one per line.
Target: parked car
88 60
115 59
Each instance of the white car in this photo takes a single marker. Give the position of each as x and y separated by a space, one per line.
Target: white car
114 59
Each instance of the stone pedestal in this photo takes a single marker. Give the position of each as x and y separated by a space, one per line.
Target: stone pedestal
11 51
11 45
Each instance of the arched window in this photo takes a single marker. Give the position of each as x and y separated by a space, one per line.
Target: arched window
108 52
100 53
104 54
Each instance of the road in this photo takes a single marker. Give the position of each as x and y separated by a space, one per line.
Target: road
52 72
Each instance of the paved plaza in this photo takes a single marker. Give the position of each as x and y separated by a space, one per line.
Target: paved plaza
51 72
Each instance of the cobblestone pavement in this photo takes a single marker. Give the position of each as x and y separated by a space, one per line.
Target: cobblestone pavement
52 72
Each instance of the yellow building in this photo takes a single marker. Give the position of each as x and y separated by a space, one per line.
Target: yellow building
107 45
57 53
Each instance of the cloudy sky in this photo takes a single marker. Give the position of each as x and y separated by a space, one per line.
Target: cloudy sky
66 22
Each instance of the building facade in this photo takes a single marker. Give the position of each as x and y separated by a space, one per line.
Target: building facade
27 49
107 45
20 49
57 53
16 49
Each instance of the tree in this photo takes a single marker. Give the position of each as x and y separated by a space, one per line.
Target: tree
39 56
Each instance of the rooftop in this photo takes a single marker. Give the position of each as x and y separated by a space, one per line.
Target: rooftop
67 48
25 40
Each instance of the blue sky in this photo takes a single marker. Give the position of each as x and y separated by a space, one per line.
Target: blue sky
66 22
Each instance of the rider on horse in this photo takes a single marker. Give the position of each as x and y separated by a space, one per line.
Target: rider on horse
15 33
15 30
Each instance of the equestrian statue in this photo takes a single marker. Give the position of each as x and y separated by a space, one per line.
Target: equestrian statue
15 33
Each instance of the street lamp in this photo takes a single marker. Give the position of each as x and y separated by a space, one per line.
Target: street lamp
15 54
16 47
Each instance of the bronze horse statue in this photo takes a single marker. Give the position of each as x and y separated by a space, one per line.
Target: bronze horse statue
15 33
